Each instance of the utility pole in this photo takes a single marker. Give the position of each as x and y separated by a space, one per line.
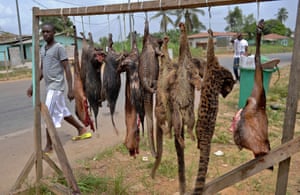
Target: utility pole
20 33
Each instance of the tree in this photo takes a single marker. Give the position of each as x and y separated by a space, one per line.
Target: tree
165 20
61 24
234 20
249 26
192 22
282 15
275 26
103 42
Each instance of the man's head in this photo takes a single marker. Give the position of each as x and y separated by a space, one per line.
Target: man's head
48 32
239 36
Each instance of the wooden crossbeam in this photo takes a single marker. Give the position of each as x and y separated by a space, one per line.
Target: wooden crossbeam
138 7
254 166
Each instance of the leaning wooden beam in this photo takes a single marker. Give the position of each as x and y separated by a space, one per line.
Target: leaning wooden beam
52 164
56 188
254 166
139 7
291 109
61 155
24 174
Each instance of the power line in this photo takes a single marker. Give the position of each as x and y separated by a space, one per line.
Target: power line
40 4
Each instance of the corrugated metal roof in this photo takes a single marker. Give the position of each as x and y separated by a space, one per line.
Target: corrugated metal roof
274 37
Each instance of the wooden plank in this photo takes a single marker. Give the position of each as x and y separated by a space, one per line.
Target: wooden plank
24 174
36 99
56 188
52 164
139 7
252 167
60 152
291 109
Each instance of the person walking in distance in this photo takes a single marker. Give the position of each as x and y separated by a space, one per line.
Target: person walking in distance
54 63
240 47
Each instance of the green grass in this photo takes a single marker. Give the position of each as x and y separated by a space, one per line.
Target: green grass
15 73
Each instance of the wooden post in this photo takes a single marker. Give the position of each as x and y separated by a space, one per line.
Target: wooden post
291 109
36 97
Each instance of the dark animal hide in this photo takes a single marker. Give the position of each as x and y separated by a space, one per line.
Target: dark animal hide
81 103
92 85
111 79
134 108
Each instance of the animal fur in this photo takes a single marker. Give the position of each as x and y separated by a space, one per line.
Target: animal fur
148 73
134 99
81 102
166 78
217 80
250 127
90 73
111 80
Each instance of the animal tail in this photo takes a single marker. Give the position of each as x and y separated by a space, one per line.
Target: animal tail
88 120
159 151
178 126
76 58
138 101
202 168
112 110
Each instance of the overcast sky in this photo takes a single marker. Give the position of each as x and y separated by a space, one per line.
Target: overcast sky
101 25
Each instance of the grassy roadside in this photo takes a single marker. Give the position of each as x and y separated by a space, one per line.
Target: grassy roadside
14 73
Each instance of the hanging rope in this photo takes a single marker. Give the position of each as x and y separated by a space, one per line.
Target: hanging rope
146 14
108 23
257 16
82 25
90 23
209 14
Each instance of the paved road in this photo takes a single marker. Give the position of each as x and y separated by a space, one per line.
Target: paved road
16 133
285 58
